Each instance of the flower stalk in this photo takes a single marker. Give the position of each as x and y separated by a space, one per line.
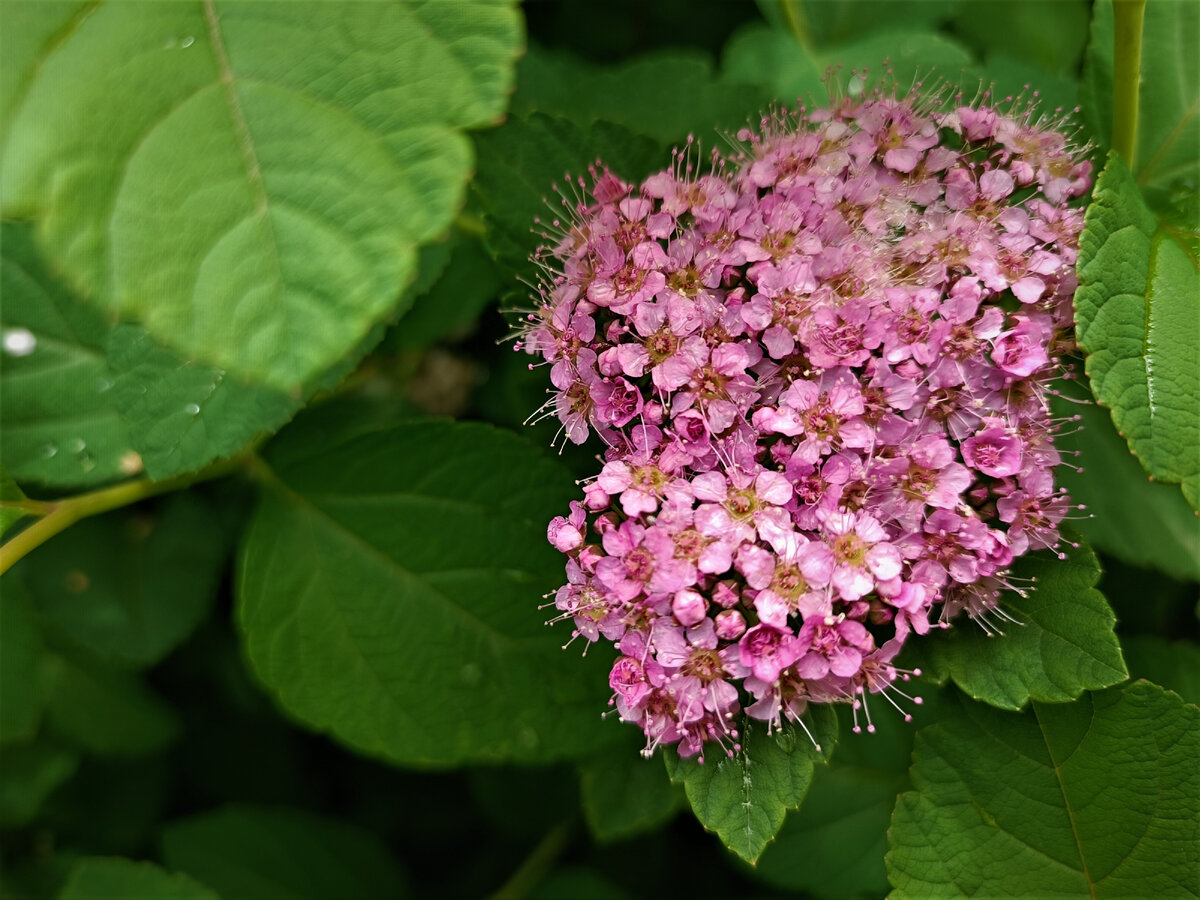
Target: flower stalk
1127 66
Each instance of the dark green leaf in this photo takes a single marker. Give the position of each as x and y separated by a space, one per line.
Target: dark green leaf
744 799
1129 517
130 587
108 878
825 24
21 653
1098 798
452 303
1137 314
247 853
625 795
1174 665
266 171
520 162
665 96
59 424
833 845
389 587
1064 646
28 774
105 711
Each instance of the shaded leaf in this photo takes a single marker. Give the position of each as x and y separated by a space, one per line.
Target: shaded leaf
59 424
1127 516
1049 36
29 773
1098 798
1137 314
21 693
267 170
520 163
1064 646
665 96
1174 665
247 853
744 799
388 591
128 588
624 794
826 24
104 878
105 711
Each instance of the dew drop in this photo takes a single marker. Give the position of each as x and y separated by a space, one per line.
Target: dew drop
187 42
78 445
130 462
19 341
786 739
87 462
103 385
49 451
192 409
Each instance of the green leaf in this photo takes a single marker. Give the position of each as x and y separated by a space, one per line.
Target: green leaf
266 170
635 94
1174 665
1050 36
744 799
106 878
1097 799
824 24
1064 646
388 590
29 30
453 302
58 423
520 163
21 694
1137 314
105 711
624 794
29 773
126 587
1127 516
182 415
833 845
785 71
247 853
1167 148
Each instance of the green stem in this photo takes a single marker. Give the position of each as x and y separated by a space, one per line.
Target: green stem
793 15
1127 69
536 865
58 515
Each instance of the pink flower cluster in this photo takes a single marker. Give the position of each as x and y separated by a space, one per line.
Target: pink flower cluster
819 371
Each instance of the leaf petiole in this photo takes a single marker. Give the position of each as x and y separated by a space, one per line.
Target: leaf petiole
1127 69
58 515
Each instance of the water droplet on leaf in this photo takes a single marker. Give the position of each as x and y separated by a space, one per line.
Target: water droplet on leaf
19 341
192 409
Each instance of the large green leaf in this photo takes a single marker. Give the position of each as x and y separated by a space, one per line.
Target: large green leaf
21 693
106 878
246 853
266 170
1127 516
1098 798
1137 314
389 584
58 422
1174 665
129 588
825 24
784 70
1167 145
1063 646
521 161
744 799
1050 36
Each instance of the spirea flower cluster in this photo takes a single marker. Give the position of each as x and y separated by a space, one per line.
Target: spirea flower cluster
819 369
